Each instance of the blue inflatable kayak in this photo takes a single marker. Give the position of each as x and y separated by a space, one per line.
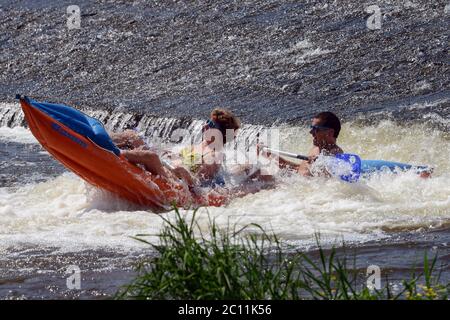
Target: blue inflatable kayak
372 166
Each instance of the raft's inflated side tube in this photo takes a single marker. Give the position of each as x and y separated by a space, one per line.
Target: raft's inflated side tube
371 166
82 145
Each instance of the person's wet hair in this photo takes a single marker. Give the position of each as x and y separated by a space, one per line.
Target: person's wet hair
330 120
226 120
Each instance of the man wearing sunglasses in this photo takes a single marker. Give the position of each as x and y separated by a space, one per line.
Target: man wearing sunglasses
325 128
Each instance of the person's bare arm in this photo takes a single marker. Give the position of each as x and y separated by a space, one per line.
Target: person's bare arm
207 171
284 163
304 168
185 175
211 163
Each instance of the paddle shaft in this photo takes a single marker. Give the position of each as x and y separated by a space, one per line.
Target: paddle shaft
286 154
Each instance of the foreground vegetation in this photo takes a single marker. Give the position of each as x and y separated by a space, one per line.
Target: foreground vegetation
232 264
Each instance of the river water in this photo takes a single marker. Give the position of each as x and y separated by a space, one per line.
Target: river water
51 219
157 67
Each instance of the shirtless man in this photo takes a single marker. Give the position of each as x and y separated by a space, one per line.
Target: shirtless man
325 129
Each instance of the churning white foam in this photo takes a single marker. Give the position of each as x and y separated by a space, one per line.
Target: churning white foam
67 213
17 134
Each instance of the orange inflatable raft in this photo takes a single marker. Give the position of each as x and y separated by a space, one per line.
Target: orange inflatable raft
83 146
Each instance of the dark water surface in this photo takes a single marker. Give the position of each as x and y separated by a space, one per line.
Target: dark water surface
268 61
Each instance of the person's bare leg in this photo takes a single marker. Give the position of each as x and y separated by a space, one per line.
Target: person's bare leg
127 139
153 164
148 159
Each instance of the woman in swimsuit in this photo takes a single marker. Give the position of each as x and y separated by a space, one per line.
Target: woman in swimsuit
197 165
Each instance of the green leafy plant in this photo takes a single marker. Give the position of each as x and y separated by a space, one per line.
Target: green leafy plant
243 264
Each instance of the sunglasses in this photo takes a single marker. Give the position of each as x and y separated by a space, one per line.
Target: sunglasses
318 128
210 124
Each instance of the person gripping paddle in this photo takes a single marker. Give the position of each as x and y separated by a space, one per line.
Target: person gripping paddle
325 128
